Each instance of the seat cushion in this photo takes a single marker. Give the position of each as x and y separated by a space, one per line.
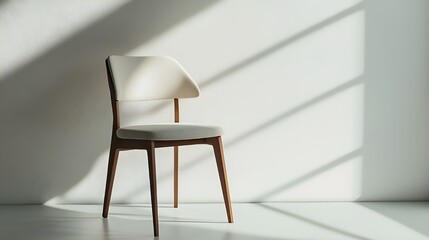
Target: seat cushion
168 131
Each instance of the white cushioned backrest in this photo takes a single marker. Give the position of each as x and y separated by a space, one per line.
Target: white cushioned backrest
150 78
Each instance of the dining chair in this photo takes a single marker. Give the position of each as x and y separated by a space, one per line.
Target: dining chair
157 78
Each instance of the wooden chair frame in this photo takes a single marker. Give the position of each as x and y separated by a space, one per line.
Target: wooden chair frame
118 144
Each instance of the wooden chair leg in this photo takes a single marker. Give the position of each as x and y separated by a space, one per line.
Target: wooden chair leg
153 191
220 161
176 176
113 160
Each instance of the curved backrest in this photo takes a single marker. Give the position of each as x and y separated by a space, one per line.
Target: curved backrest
150 78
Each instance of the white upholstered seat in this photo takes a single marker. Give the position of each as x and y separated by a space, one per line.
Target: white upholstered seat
168 131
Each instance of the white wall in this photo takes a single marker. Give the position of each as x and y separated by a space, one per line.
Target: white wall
320 100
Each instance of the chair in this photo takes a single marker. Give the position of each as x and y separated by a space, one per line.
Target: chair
155 78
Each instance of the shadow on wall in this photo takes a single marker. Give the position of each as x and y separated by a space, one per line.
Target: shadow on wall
396 129
55 111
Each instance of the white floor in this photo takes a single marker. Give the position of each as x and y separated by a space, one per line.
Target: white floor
339 220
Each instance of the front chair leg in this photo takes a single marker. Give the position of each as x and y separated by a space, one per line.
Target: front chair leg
220 161
153 191
113 159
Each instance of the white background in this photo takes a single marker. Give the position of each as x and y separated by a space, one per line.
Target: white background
319 100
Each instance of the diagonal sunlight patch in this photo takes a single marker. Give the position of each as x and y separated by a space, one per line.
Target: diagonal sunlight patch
313 174
247 61
219 40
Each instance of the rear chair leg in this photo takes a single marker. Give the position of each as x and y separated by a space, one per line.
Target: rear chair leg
176 176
